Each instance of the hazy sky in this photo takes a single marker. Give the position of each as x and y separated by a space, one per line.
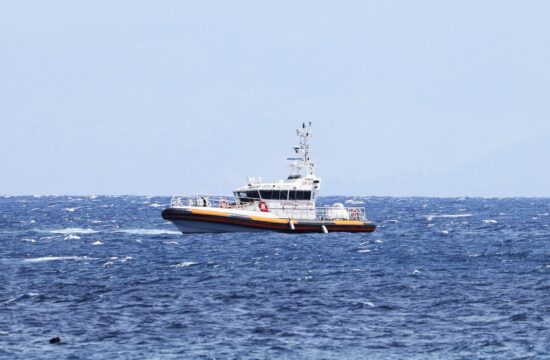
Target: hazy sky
434 98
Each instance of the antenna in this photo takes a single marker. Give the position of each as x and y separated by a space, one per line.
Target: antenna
305 163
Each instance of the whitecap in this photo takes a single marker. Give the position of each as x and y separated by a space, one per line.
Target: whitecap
3 333
72 237
70 209
74 231
148 232
170 242
32 222
155 205
95 243
393 221
445 232
184 264
29 240
368 303
354 202
56 258
416 271
126 258
364 250
378 241
490 221
446 216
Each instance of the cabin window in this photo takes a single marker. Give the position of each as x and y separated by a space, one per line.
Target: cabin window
292 195
253 194
247 196
266 194
299 195
294 177
274 194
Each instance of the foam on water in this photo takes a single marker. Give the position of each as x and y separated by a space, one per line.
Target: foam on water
148 232
57 258
74 231
446 216
354 202
184 264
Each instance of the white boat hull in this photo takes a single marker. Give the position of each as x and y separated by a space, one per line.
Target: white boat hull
191 227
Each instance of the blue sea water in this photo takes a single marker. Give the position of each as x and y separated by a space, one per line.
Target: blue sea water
440 278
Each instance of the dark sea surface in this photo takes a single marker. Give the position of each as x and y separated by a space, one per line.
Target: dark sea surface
440 278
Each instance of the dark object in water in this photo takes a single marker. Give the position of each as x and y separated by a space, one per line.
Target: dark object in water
55 340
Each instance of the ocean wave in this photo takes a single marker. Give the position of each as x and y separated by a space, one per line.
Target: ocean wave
57 258
72 237
446 216
74 231
354 202
95 243
148 232
184 264
490 221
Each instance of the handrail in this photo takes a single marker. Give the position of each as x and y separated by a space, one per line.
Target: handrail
287 211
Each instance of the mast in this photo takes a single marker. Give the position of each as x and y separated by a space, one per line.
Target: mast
304 161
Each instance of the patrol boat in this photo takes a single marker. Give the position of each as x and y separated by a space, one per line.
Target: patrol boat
285 205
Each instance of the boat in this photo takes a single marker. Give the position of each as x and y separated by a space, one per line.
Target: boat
287 205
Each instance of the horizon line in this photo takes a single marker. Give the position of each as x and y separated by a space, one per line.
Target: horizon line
321 196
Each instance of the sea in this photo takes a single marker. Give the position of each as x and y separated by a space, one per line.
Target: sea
440 278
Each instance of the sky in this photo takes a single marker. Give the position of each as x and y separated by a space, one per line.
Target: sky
407 98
